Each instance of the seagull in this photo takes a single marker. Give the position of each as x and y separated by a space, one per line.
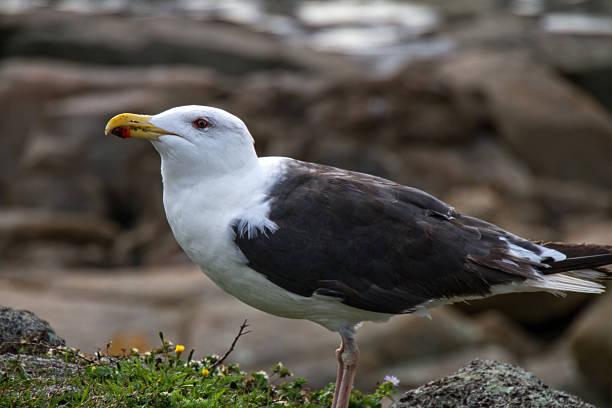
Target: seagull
307 241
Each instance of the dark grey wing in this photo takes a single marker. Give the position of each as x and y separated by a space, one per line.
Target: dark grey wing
377 245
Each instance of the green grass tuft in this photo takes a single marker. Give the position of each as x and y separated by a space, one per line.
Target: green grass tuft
159 378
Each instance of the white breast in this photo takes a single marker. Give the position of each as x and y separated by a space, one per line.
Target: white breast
201 218
201 214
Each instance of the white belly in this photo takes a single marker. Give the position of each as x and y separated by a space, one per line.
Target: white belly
257 291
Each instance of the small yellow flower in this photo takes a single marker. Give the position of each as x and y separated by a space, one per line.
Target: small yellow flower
205 372
179 349
93 368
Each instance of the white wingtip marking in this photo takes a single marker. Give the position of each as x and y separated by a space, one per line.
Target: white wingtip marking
552 253
544 252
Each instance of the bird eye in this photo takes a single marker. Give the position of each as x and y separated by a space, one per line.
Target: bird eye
200 123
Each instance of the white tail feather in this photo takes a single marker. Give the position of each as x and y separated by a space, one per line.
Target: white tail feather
567 283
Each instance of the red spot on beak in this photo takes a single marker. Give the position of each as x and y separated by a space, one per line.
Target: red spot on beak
122 132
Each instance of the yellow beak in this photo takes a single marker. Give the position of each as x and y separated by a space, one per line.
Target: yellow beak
128 125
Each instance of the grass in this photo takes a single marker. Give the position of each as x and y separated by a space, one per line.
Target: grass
158 378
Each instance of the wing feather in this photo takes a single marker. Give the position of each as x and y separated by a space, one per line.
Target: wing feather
380 246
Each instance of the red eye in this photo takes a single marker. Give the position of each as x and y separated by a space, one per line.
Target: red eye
200 123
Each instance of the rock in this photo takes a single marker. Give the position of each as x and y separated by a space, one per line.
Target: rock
575 54
52 254
556 366
435 169
32 224
157 286
419 371
514 212
591 341
95 38
499 329
417 350
92 306
595 231
478 201
58 190
438 169
488 383
560 34
38 366
21 325
412 337
540 116
46 373
54 238
565 199
597 83
532 309
408 107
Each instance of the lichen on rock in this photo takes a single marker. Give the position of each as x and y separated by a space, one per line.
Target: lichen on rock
19 326
491 384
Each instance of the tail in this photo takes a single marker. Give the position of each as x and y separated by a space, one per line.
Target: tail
581 271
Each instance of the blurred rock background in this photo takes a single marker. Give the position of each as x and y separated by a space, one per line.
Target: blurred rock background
503 108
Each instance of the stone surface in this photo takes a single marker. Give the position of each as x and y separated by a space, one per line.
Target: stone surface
411 338
55 238
557 367
416 372
572 201
579 230
530 308
500 329
231 48
592 343
491 384
39 369
92 309
21 325
542 118
37 366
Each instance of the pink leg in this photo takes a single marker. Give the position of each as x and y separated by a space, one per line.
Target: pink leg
339 352
350 358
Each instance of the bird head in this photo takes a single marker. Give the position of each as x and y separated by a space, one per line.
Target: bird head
194 139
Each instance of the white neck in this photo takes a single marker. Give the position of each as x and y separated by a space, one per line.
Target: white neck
201 214
191 170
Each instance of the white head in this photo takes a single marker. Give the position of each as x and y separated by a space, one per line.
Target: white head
191 140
